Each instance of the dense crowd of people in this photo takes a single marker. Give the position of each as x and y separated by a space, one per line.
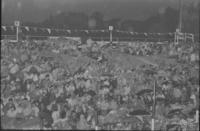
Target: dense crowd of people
64 84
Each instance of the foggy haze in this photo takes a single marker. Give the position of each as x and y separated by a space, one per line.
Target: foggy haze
38 10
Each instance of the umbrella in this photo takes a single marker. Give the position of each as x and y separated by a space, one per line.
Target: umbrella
139 93
139 112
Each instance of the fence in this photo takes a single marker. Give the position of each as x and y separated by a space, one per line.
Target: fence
26 32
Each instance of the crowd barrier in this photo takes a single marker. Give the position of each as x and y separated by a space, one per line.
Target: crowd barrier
27 32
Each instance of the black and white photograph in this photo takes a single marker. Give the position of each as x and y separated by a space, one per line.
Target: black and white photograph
100 65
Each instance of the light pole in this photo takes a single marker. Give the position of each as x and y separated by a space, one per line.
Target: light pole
180 15
179 29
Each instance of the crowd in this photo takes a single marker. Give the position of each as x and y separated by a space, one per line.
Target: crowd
64 84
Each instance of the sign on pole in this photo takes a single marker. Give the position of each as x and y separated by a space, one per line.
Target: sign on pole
110 29
17 24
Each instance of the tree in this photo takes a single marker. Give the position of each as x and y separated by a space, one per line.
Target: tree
166 22
191 18
131 25
98 17
77 20
127 25
170 19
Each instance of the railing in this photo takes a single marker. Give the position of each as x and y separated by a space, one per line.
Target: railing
97 35
115 39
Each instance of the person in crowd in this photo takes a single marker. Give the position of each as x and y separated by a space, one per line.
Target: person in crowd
66 98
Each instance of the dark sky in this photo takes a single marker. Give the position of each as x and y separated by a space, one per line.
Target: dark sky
38 10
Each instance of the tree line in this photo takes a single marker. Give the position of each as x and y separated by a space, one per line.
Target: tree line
160 22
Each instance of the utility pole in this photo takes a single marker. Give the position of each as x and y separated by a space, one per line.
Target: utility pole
180 14
179 28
